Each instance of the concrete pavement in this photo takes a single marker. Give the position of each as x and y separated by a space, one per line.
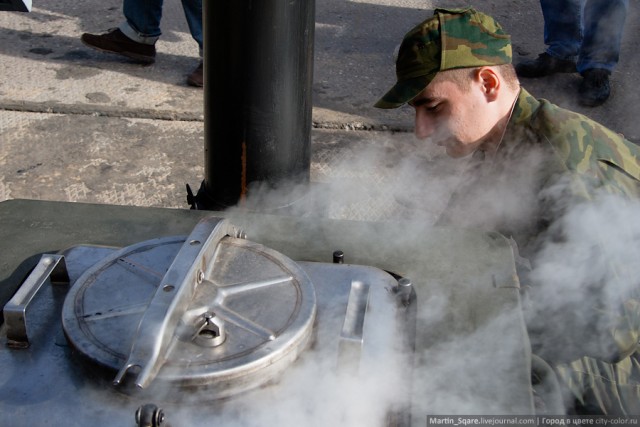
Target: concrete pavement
80 125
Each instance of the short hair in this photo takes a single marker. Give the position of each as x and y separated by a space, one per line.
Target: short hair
463 76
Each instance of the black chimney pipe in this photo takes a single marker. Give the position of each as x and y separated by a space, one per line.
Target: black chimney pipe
258 73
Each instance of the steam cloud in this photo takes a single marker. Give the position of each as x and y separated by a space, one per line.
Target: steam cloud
314 393
572 281
582 279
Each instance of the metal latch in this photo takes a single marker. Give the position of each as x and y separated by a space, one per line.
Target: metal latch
161 318
50 269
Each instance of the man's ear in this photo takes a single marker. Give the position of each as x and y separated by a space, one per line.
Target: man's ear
489 81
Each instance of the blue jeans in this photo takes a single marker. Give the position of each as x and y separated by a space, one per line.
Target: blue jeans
588 31
143 19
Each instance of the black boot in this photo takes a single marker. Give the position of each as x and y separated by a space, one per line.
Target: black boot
595 88
545 65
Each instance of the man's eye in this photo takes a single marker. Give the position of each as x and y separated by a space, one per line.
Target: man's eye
432 108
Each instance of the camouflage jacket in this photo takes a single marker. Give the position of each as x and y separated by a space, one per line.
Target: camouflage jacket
547 156
601 157
591 158
551 158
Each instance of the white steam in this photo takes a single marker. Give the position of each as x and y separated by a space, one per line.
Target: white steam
582 277
383 179
314 393
572 281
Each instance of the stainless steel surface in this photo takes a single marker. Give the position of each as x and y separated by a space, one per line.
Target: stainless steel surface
246 312
51 269
265 300
471 349
404 290
351 336
173 295
210 330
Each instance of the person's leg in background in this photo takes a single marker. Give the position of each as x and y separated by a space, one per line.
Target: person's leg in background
137 36
193 13
600 50
563 37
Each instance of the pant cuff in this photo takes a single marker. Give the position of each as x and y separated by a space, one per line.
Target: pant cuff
128 31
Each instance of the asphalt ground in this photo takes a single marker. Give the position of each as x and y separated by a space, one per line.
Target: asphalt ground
84 126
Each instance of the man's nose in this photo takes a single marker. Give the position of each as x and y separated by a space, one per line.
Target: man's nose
424 126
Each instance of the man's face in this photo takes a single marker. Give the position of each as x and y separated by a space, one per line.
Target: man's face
457 118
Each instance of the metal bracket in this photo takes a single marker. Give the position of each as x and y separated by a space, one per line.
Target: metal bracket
159 323
352 334
50 269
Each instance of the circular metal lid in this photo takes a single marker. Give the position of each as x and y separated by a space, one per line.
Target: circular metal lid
251 315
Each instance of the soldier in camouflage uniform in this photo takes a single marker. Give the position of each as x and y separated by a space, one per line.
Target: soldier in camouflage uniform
455 70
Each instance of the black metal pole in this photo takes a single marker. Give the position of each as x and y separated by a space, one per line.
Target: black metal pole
258 72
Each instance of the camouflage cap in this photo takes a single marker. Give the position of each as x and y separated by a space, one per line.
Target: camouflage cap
452 38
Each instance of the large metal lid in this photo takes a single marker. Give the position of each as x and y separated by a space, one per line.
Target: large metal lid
210 309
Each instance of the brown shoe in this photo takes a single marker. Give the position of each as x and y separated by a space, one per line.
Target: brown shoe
116 42
196 78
